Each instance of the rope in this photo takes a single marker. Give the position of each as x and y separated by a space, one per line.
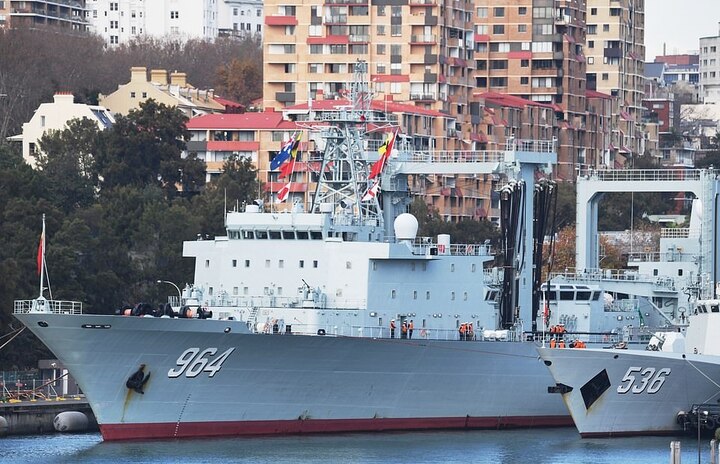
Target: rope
19 331
704 375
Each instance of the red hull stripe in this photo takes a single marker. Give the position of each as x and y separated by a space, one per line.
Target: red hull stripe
287 427
635 433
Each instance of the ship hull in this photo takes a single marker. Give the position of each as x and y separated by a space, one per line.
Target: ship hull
627 392
213 378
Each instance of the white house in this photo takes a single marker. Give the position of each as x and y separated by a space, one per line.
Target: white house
54 116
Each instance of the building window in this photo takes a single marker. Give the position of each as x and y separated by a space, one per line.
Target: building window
592 29
499 11
605 76
591 44
524 80
593 11
174 14
606 28
132 94
498 28
482 12
524 63
591 60
522 10
522 27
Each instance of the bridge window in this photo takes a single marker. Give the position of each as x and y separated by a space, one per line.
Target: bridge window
207 263
302 263
261 234
267 263
414 294
715 308
567 296
316 235
315 264
427 295
247 263
583 296
393 293
234 263
288 235
680 272
302 235
275 235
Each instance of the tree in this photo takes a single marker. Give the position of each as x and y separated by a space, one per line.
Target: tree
237 185
144 148
240 80
67 164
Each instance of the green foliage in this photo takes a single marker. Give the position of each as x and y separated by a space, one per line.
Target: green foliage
431 224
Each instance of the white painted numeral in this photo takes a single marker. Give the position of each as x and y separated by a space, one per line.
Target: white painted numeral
639 380
193 361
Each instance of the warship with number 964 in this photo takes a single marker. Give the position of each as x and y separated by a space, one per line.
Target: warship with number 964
288 326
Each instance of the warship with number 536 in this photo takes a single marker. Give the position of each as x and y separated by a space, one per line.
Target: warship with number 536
288 326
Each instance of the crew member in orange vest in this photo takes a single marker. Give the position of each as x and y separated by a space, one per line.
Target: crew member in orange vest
403 330
462 330
392 328
553 343
411 327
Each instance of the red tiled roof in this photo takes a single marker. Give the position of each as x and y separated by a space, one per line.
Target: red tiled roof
596 94
502 99
259 120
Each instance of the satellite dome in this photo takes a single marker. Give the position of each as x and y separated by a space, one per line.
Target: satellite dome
406 226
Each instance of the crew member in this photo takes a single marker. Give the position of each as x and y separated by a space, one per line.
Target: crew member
392 328
411 327
462 330
404 330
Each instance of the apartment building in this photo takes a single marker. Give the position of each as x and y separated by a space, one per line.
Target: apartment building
710 69
240 18
118 21
534 50
66 15
615 65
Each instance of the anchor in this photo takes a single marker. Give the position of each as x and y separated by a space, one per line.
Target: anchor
138 379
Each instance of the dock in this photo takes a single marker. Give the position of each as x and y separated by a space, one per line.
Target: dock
37 416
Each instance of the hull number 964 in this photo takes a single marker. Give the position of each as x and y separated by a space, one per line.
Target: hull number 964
643 380
193 361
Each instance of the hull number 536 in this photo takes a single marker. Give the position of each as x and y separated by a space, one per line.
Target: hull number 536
643 380
193 361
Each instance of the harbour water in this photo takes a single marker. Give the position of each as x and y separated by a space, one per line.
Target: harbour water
562 445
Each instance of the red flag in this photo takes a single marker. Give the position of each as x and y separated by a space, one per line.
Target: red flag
40 253
287 168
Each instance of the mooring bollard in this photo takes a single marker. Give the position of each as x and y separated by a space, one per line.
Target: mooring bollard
674 452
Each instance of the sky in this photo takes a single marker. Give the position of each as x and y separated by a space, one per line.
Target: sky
679 24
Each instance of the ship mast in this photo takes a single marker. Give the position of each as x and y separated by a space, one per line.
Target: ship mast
41 257
343 176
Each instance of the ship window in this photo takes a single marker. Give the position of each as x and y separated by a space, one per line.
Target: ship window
210 291
414 294
246 291
464 296
207 263
235 290
472 268
267 263
281 264
566 296
315 235
288 235
680 272
315 263
274 235
248 234
261 234
427 295
551 296
392 294
279 291
583 296
302 263
247 263
234 263
596 296
348 265
452 267
655 272
452 296
715 308
302 235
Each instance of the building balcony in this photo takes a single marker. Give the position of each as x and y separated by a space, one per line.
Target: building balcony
423 39
423 97
422 2
285 97
281 21
612 52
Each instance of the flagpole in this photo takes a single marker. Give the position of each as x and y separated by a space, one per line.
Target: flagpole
42 257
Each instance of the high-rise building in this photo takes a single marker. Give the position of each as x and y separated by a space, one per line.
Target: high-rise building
66 15
533 49
118 21
710 69
240 18
419 52
615 65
